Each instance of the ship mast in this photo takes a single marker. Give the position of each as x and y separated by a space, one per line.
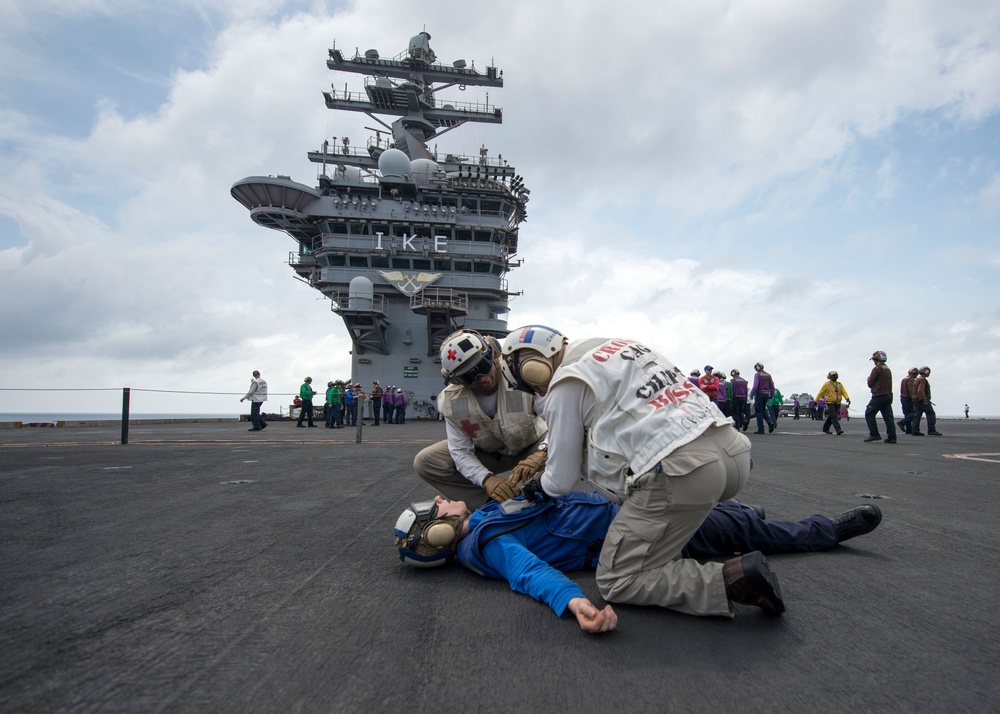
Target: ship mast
408 244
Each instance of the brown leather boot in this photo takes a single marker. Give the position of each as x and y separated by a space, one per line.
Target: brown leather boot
749 581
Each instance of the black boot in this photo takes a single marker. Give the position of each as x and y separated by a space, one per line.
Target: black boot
857 521
749 581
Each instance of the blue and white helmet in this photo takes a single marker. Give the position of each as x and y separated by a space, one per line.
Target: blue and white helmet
528 357
424 540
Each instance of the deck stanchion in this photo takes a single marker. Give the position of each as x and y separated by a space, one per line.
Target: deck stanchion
126 391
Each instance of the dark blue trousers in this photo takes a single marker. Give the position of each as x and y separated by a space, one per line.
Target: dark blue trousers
255 418
761 411
736 528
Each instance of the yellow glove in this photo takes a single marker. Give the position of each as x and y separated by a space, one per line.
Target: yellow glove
499 489
528 467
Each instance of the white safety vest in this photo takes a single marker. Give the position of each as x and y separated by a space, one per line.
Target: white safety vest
514 428
645 407
258 391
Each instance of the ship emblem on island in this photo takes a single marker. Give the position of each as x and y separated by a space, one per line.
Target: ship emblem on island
409 243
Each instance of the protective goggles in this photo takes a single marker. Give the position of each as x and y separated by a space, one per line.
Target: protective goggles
425 511
480 369
421 514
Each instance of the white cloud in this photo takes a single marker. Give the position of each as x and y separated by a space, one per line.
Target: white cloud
664 158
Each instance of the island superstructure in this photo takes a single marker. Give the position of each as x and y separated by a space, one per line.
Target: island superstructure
409 243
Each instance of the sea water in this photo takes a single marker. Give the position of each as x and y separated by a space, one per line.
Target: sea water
96 416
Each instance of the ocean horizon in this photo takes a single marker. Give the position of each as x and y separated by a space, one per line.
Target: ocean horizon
104 416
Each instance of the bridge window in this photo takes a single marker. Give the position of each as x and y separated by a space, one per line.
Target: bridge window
462 234
483 236
336 260
401 263
463 266
359 261
421 264
482 267
442 265
337 228
380 261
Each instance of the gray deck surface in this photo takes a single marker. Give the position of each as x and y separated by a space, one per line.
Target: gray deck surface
204 568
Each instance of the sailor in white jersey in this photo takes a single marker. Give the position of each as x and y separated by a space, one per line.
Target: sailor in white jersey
491 427
627 419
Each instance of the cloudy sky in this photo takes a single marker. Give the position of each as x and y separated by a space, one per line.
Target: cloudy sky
794 182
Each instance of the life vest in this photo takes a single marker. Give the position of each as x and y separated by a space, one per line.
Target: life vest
514 428
645 407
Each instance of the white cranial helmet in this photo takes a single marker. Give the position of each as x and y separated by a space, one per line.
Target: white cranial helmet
423 539
466 355
528 354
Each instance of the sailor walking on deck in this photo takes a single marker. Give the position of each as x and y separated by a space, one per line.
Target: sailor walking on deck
257 396
880 382
761 393
832 392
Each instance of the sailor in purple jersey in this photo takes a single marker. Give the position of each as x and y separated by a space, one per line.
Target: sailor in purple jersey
400 401
739 400
723 397
388 404
763 389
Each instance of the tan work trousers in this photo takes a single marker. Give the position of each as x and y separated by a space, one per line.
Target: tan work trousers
435 466
639 562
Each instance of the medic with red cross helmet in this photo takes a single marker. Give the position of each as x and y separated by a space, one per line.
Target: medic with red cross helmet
491 427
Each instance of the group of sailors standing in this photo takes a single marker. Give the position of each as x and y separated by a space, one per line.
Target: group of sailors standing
341 407
344 400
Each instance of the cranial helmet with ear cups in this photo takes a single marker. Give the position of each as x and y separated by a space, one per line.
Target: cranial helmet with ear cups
423 539
528 354
465 355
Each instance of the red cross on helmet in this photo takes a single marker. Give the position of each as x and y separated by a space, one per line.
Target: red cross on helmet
466 355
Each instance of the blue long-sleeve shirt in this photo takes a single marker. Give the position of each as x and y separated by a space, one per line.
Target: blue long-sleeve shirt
544 539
